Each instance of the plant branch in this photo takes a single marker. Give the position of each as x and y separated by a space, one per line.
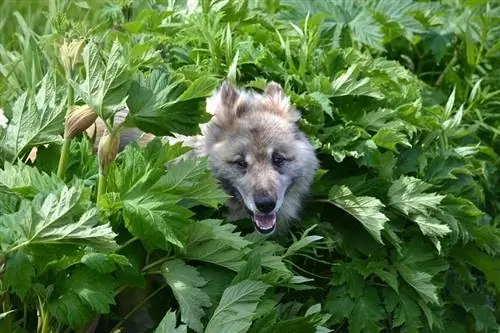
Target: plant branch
137 307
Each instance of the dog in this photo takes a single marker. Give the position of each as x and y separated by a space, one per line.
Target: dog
256 150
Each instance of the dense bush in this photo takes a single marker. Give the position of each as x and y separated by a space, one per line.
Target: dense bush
401 233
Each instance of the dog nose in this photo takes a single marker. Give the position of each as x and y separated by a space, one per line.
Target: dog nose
265 204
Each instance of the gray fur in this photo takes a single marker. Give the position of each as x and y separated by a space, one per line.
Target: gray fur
252 126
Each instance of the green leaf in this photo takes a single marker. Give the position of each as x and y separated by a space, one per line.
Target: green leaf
236 307
303 242
35 121
217 243
191 179
84 290
55 220
169 324
19 273
431 226
407 194
27 181
106 85
104 263
347 84
161 103
366 210
421 282
186 282
389 139
157 220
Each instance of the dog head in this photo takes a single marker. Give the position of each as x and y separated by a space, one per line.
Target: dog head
257 151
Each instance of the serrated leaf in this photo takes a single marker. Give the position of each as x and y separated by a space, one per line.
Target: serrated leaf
169 324
157 220
407 194
35 121
19 273
366 210
389 139
53 221
162 104
103 263
431 226
191 179
236 307
408 314
186 282
303 242
421 282
106 84
84 290
216 242
347 84
27 181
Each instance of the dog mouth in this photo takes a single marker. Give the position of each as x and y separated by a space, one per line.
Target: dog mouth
265 223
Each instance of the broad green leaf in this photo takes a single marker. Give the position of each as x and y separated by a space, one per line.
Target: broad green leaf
19 273
191 179
389 139
407 194
214 242
367 312
35 121
408 314
157 220
303 242
431 226
236 307
169 324
84 290
347 84
55 220
366 210
161 103
421 282
106 84
185 282
104 262
27 181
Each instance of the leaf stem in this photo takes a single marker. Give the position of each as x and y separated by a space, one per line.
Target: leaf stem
137 307
155 263
101 187
63 159
6 308
127 243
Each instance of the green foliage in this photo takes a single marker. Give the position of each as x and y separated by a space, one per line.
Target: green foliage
399 98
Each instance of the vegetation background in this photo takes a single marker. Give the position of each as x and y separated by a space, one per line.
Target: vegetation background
401 233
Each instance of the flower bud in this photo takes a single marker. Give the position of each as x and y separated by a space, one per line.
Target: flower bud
78 121
107 151
71 54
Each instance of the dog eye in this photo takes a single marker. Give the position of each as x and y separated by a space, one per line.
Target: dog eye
241 163
278 160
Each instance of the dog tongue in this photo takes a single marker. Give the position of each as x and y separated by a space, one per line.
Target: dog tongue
265 222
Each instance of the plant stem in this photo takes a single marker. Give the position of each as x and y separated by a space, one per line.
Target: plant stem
127 243
8 318
137 307
101 187
63 159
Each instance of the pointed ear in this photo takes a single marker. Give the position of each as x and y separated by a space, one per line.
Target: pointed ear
274 90
279 103
222 103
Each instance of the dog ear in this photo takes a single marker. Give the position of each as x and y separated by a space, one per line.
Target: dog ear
279 103
222 103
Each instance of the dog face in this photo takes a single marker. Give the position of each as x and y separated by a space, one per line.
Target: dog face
256 150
